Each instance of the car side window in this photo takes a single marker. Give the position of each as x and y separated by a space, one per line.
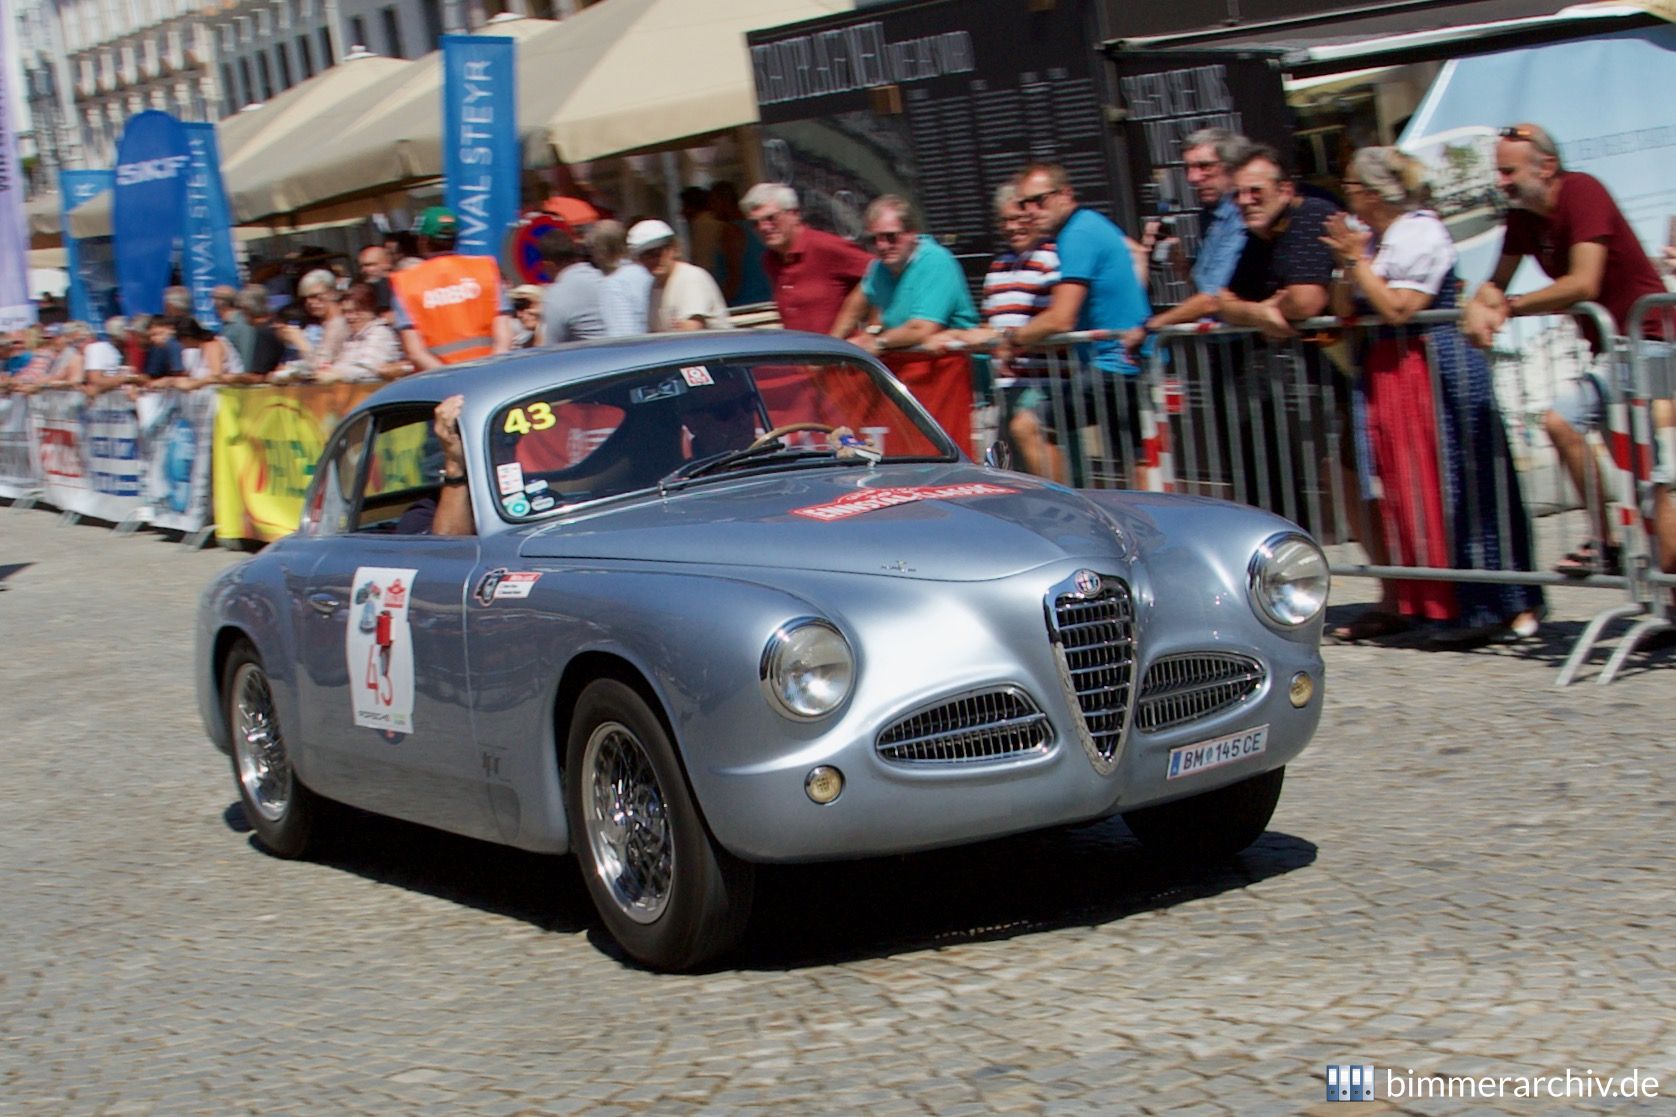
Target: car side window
404 466
331 503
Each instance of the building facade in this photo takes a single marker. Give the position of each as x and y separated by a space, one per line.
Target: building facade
89 65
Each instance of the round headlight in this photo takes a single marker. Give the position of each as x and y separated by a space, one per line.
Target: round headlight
807 668
1289 579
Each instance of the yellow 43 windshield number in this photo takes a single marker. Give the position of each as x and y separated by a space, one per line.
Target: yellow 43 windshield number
522 420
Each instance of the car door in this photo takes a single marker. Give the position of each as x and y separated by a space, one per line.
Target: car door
385 681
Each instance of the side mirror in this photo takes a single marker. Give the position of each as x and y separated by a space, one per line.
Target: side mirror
999 455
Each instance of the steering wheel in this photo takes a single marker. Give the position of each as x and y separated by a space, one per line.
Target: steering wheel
784 429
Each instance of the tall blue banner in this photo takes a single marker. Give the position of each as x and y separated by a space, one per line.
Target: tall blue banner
480 149
74 188
148 208
209 257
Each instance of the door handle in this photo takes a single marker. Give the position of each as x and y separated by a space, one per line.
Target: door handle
323 603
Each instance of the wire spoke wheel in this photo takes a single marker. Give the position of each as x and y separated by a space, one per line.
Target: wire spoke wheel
627 822
264 770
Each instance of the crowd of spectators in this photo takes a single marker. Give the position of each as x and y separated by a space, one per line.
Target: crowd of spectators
1425 456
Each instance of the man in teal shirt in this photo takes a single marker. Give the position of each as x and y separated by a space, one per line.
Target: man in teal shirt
913 288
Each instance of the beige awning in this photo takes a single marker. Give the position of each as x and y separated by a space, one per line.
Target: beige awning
620 76
383 136
646 73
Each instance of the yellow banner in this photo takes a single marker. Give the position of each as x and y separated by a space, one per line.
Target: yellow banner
267 441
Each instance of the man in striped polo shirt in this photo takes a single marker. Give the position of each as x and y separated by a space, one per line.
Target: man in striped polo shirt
1018 287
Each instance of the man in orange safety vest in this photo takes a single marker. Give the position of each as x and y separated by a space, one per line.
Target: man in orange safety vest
449 308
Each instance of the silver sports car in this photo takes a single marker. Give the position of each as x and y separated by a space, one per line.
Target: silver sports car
734 598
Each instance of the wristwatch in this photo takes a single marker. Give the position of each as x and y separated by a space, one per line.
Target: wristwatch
453 478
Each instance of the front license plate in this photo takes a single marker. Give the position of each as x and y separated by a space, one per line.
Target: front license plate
1190 760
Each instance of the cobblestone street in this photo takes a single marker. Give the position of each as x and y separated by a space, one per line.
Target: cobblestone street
1469 873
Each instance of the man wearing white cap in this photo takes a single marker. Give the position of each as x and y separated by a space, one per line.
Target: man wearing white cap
684 296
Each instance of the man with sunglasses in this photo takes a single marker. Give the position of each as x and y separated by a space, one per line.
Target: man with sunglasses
914 287
913 290
810 271
1210 155
1570 225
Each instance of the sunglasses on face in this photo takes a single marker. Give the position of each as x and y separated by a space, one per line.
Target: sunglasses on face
885 238
1203 164
1035 201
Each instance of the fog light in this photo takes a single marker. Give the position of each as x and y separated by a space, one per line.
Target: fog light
1303 689
823 784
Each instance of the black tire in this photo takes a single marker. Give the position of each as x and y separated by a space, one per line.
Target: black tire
1209 827
283 812
669 895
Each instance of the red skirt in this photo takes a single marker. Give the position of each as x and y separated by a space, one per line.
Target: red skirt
1402 431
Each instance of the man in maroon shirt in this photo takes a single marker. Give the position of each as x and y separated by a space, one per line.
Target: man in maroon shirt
812 272
1571 226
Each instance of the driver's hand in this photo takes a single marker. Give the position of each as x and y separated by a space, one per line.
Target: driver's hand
447 426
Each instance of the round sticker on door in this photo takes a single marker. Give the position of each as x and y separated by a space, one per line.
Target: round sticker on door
516 505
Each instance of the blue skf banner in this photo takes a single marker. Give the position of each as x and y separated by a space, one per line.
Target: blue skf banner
209 257
1610 126
481 153
148 210
74 188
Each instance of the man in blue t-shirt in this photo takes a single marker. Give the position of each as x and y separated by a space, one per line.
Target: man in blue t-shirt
1098 289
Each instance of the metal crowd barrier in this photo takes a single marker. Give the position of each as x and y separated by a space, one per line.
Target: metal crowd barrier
1442 473
1644 443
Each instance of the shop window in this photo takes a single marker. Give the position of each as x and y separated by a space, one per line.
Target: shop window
393 34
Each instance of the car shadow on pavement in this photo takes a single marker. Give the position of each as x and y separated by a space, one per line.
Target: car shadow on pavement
829 913
10 568
1087 876
542 890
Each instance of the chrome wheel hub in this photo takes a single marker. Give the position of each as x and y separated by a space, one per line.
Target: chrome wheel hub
264 769
627 826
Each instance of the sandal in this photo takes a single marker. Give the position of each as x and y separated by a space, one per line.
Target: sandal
1369 626
1592 558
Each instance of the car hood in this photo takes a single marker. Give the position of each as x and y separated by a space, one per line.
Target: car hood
954 522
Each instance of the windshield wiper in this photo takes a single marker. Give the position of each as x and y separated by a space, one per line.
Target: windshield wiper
728 459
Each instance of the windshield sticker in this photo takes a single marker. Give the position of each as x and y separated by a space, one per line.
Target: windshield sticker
536 486
379 650
872 500
516 505
666 389
510 477
696 376
517 583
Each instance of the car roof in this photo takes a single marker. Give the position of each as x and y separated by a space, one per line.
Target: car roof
493 380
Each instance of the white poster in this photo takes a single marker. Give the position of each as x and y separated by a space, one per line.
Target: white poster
176 432
379 645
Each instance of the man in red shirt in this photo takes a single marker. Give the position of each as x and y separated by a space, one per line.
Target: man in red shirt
811 271
1570 225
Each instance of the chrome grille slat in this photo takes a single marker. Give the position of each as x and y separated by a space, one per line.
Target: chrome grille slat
1179 689
1096 644
988 725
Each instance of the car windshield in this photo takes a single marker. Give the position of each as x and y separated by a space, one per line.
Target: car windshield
679 425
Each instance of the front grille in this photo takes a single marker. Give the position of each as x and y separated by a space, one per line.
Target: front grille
1095 637
989 725
1183 688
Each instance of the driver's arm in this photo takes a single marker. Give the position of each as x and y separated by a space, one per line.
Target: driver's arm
453 505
